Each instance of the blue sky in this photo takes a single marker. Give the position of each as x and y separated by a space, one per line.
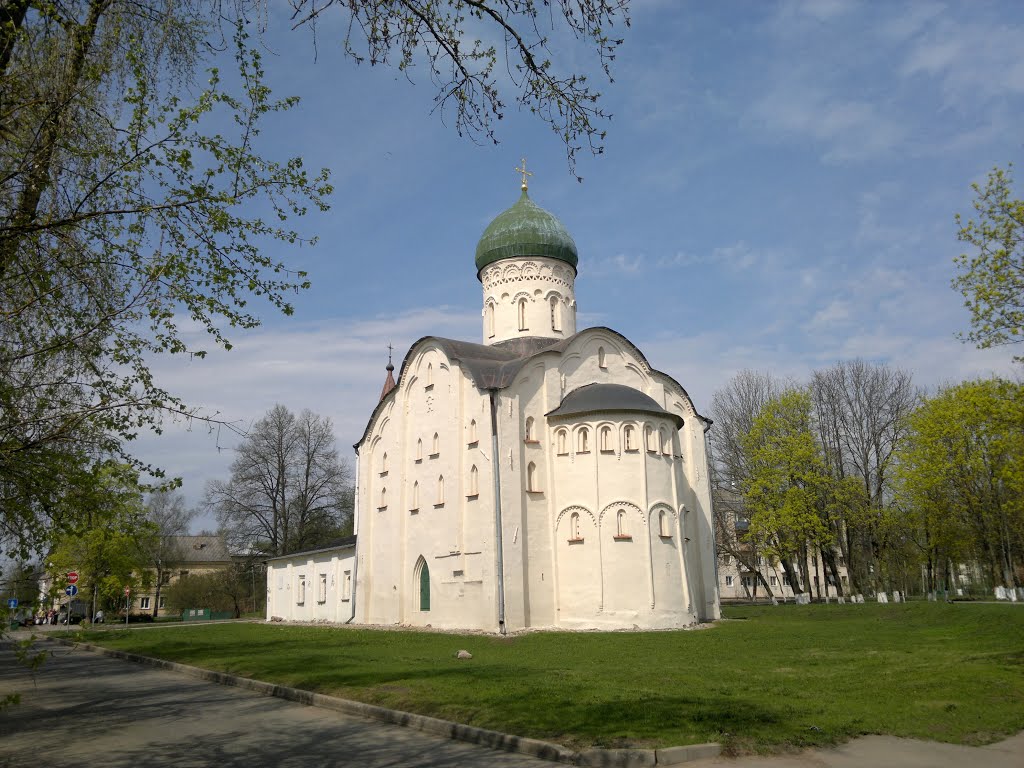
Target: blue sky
777 193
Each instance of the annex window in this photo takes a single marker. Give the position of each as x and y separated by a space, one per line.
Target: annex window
144 603
415 496
165 578
629 437
556 321
474 481
728 581
163 602
726 559
300 590
521 310
321 589
583 441
529 436
346 586
606 439
773 580
561 440
532 483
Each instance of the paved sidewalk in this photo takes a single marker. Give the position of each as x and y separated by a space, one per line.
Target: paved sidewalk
888 752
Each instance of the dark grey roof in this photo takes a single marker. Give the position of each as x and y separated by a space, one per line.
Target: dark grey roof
599 398
494 366
200 549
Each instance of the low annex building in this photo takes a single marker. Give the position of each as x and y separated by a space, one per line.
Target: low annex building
546 477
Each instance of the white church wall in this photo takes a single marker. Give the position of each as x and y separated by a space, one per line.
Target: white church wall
528 297
431 518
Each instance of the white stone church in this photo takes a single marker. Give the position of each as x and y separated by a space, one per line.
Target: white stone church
547 477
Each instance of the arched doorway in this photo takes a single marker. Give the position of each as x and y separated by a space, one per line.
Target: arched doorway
422 579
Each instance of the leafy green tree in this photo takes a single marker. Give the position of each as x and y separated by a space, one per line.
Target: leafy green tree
106 548
786 488
126 207
991 277
961 479
122 211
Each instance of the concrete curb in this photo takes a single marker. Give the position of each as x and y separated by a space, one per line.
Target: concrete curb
599 758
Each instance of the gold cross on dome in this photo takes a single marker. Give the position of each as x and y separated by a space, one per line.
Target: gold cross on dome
525 173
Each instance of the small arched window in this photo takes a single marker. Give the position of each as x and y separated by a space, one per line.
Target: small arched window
440 489
383 498
474 481
663 524
490 319
650 438
531 477
415 496
556 320
419 449
435 448
430 374
384 463
574 526
629 437
522 314
583 441
666 443
529 429
621 529
560 443
600 358
472 431
606 438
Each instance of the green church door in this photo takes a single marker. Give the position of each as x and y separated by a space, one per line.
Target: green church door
424 587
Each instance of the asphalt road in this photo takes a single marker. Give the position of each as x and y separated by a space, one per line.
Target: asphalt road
83 708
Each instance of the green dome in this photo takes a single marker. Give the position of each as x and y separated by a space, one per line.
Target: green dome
525 229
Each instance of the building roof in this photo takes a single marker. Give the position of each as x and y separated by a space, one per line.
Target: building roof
494 366
525 230
346 542
601 398
200 549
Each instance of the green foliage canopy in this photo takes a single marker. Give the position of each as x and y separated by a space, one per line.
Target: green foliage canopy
991 278
961 476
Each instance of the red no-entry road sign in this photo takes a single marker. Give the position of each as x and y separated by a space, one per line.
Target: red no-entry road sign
73 577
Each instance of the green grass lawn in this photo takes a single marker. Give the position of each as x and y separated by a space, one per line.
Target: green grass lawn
766 679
